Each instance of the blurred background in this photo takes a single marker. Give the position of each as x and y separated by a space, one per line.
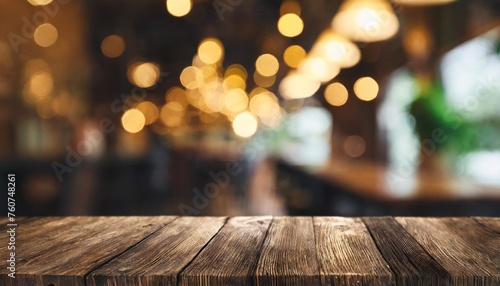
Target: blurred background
250 107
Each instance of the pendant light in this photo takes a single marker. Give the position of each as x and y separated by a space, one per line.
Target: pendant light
366 20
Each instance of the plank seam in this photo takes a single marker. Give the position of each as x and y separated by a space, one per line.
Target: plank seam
256 263
448 274
393 273
125 251
198 253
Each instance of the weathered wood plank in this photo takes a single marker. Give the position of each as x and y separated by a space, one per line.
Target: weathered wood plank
5 220
468 251
493 223
60 251
288 256
230 258
409 262
347 254
161 257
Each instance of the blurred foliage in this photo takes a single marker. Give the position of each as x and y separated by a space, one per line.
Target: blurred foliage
432 113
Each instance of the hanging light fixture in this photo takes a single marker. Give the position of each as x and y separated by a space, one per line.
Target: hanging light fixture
366 20
336 49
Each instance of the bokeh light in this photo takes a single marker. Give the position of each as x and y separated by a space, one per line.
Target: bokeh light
267 65
39 2
264 103
336 94
234 81
179 8
236 100
236 69
210 51
366 88
113 46
133 120
318 69
41 84
263 81
290 25
336 49
45 35
293 55
149 110
191 77
296 85
171 114
144 74
177 94
354 146
245 124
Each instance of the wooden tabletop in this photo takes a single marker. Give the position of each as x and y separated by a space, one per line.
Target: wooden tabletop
166 250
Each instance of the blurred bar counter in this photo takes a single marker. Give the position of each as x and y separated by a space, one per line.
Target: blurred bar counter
362 188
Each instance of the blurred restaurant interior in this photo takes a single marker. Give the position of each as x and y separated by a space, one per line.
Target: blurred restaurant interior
251 107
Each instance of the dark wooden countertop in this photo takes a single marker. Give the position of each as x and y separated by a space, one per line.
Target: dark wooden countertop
379 182
167 250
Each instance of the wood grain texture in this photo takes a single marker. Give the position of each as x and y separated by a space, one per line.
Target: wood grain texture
161 257
493 223
230 258
60 251
468 251
288 256
409 262
347 254
18 220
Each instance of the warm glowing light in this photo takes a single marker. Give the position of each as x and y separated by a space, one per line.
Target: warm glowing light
133 120
171 114
296 85
208 118
236 100
150 111
290 25
236 69
209 74
267 65
263 81
264 104
39 2
41 84
366 88
290 7
179 8
366 20
336 94
177 94
210 51
234 81
354 146
245 124
318 69
191 77
336 49
213 98
144 74
113 46
418 41
44 108
45 35
34 66
293 55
